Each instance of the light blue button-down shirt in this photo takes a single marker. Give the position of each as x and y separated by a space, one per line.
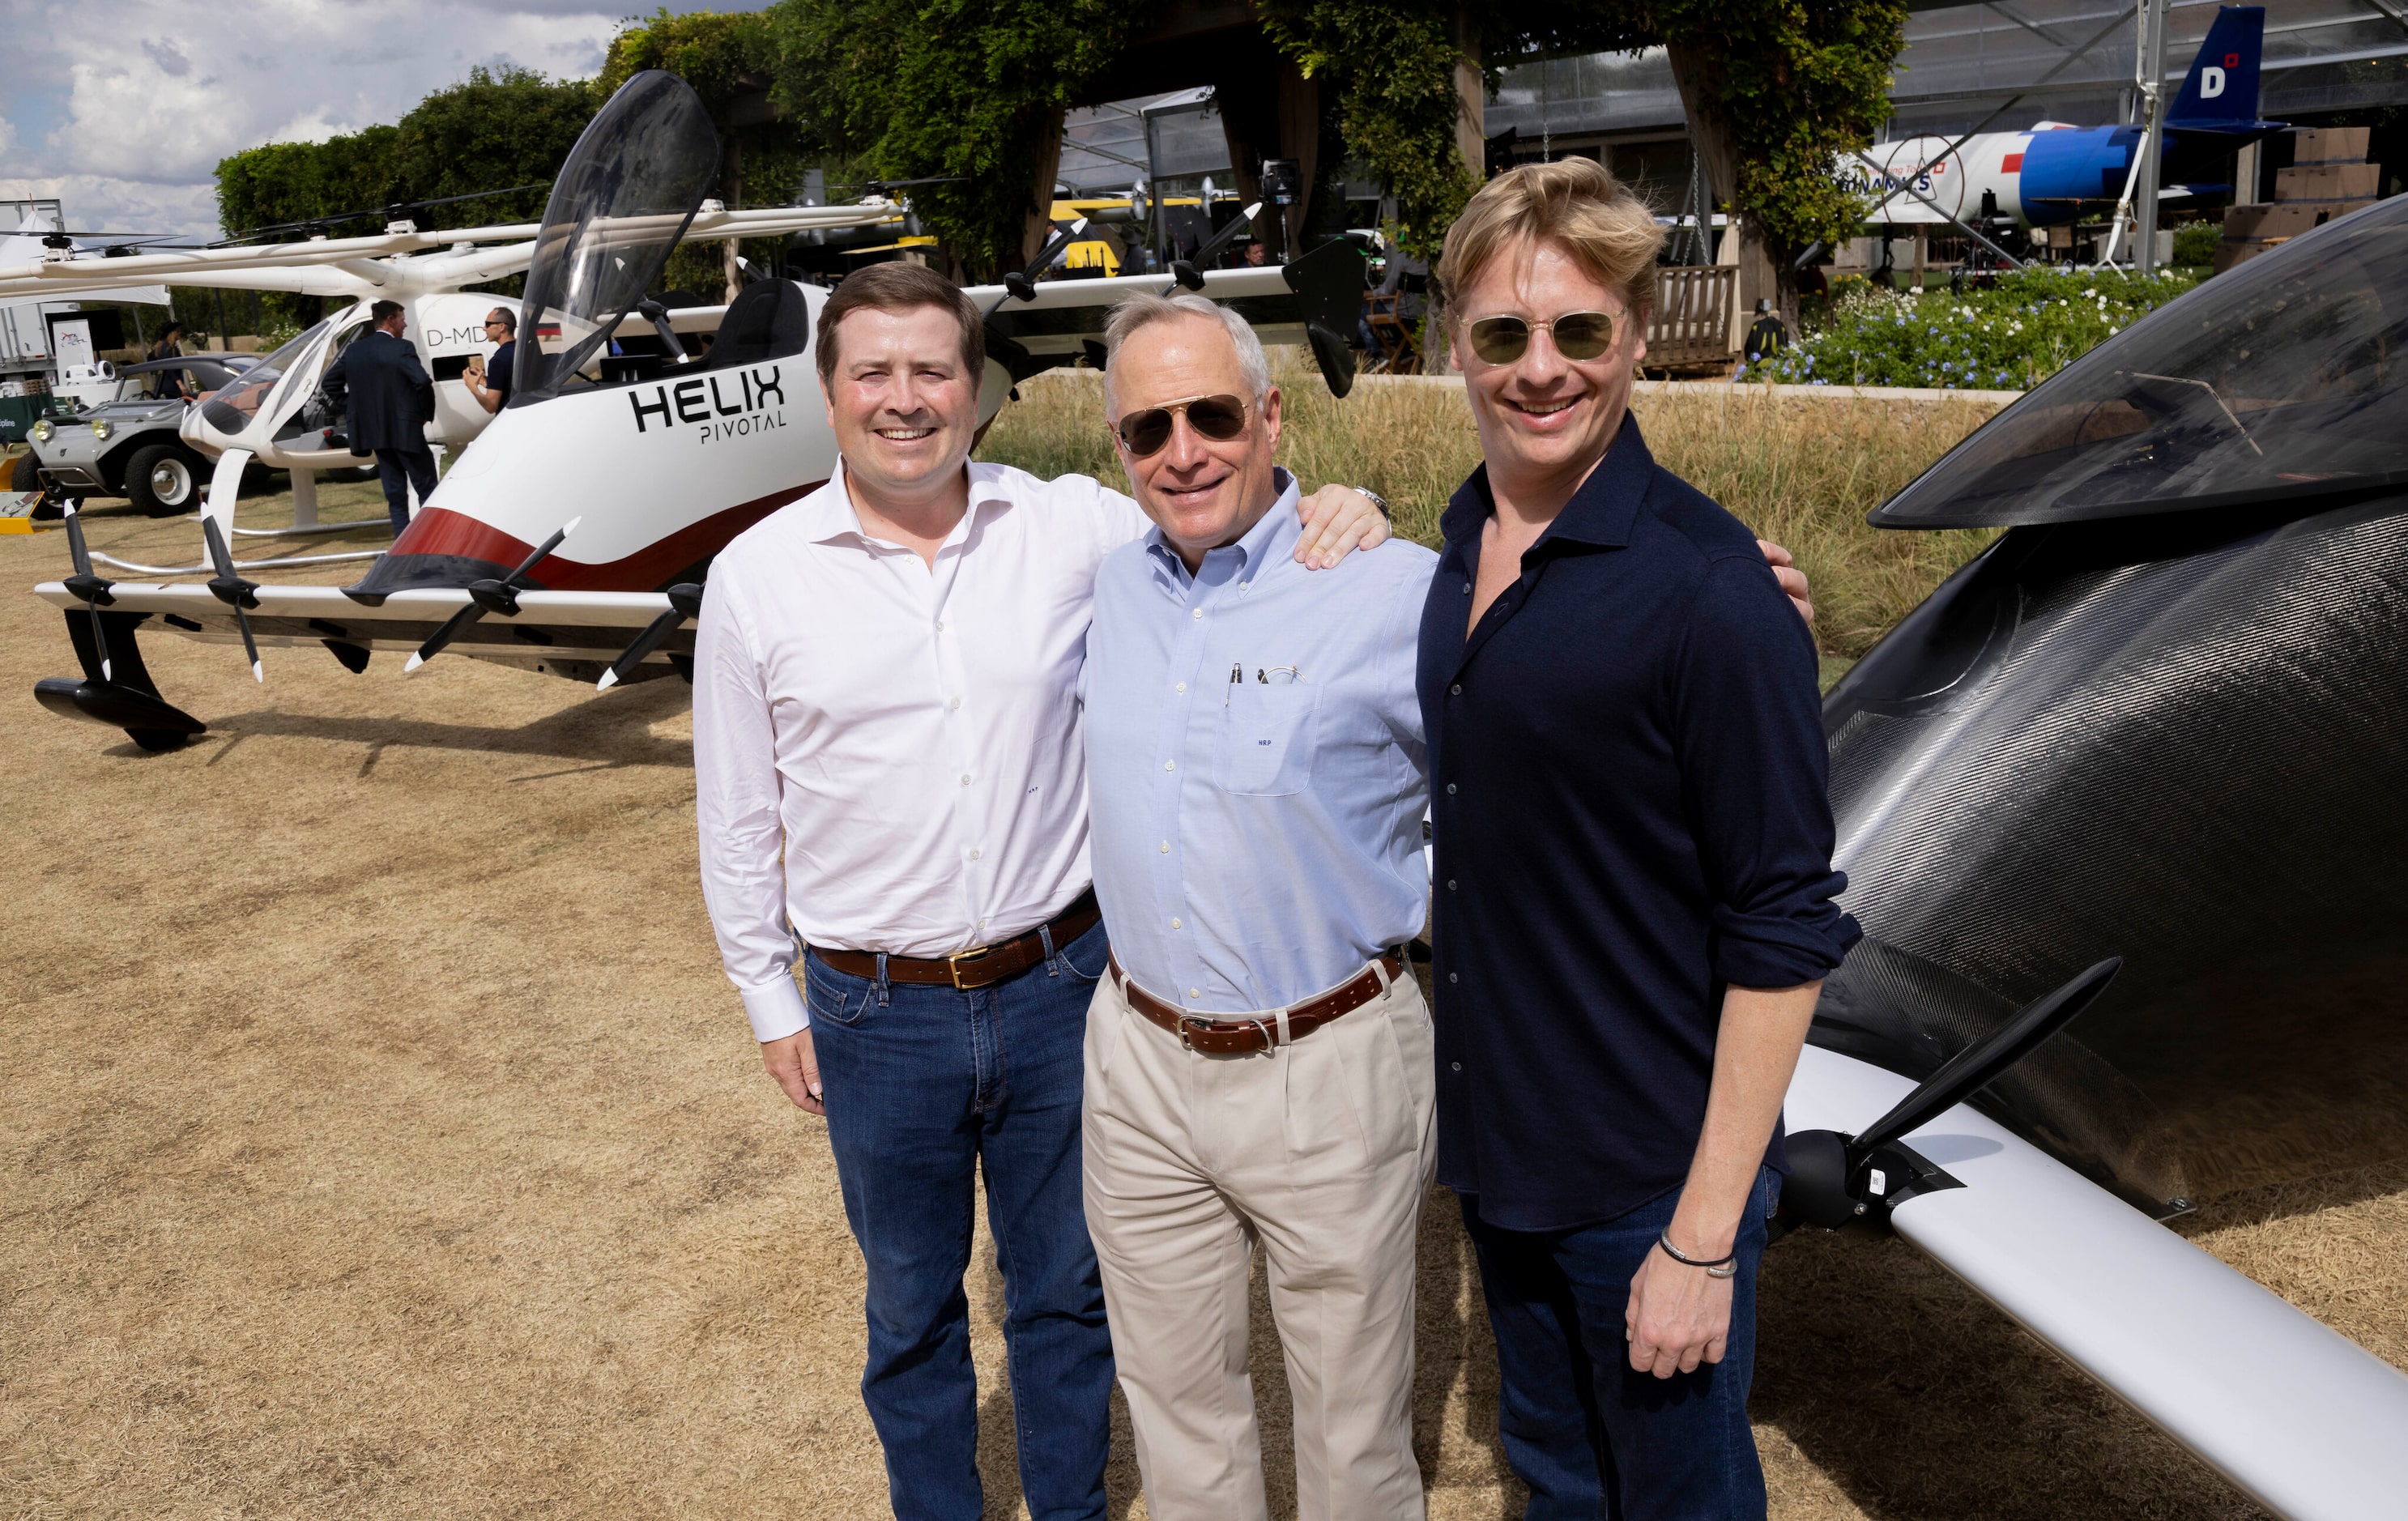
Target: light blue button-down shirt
1254 763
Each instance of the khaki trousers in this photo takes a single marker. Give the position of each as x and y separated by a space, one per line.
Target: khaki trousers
1322 1152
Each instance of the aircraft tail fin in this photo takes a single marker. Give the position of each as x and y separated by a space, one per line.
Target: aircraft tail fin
2220 92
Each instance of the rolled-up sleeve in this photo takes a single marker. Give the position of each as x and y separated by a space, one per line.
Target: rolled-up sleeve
1755 769
737 817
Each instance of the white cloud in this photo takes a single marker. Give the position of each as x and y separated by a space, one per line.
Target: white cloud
127 121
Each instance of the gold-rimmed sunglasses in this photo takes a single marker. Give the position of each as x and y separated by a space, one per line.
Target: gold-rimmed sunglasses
1217 418
1579 335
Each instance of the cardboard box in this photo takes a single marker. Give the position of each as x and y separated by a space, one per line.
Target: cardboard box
2324 184
2268 218
2332 145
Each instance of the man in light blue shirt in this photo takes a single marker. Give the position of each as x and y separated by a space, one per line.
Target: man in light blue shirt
1259 1060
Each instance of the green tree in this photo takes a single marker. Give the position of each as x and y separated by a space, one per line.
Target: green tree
730 60
970 88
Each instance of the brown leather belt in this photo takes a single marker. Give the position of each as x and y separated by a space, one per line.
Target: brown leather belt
980 965
1238 1037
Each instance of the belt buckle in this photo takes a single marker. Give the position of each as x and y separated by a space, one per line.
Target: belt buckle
953 964
1192 1023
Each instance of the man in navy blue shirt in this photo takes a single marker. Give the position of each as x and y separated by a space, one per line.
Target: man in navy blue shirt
1633 895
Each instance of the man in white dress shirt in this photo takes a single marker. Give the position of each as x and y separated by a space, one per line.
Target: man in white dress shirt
889 760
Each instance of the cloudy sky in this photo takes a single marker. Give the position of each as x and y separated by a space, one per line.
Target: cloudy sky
121 108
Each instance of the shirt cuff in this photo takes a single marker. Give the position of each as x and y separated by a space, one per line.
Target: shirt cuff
776 1009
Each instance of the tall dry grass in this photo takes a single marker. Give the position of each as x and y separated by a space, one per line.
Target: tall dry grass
1803 471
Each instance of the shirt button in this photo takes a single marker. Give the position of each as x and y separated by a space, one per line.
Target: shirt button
1450 789
1175 925
965 779
941 626
1242 586
1452 977
1181 687
955 703
1199 613
1454 690
1450 884
1166 847
974 856
1193 994
1457 1066
1167 766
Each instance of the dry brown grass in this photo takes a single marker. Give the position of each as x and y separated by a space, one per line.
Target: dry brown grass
1802 472
382 1140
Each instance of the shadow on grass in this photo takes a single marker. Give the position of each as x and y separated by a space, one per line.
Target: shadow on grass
611 728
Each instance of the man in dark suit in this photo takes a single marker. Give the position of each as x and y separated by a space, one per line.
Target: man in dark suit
385 390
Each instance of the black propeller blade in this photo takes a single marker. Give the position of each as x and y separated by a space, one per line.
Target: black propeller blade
486 596
1837 1180
685 601
1021 284
1982 1063
93 589
1189 272
233 592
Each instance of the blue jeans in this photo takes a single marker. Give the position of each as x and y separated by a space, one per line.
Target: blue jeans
926 1086
1590 1436
400 469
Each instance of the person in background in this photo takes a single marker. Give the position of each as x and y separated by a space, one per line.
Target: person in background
489 380
1766 336
1634 898
168 382
384 388
891 789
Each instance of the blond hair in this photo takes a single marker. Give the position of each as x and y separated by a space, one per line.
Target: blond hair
1573 203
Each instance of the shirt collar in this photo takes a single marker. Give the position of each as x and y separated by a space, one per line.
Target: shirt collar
1602 512
830 515
1270 540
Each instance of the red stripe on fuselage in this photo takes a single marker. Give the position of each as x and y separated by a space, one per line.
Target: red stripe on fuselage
441 531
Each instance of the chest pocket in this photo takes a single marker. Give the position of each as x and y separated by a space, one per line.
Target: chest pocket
1266 739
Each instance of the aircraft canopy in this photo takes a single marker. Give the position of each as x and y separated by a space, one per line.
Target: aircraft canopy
2286 376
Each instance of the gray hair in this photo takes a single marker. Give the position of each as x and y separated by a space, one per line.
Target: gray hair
1142 311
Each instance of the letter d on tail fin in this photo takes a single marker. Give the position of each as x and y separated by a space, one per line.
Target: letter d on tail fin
2222 84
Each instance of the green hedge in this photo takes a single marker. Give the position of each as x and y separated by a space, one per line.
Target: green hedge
2030 324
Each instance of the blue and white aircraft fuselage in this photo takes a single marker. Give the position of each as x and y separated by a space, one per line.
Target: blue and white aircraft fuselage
2056 173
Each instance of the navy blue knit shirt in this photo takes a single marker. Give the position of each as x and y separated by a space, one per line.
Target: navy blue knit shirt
1628 776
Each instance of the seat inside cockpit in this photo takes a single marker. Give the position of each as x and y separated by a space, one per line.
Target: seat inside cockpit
769 320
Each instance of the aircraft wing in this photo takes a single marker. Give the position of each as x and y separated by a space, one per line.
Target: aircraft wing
66 275
566 629
2300 1417
1316 300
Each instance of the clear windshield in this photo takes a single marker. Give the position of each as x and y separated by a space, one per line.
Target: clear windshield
619 204
232 408
2287 375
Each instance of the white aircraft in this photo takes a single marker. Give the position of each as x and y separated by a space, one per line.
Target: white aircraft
270 416
2058 173
660 434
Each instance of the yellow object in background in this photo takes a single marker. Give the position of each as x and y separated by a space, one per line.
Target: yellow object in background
1094 253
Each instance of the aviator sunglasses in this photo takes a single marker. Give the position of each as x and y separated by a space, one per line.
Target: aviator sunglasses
1579 336
1217 418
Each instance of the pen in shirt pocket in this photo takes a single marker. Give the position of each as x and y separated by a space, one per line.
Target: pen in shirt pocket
1237 675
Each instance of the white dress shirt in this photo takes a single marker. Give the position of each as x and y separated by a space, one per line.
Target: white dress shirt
889 757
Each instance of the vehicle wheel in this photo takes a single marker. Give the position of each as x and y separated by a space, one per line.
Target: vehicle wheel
26 474
158 741
162 480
